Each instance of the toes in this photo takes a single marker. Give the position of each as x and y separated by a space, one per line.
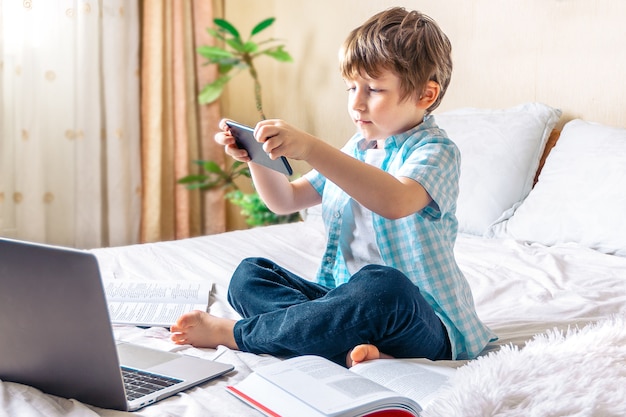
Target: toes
359 353
185 321
178 338
363 353
372 352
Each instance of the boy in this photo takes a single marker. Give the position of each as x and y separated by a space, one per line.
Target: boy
388 280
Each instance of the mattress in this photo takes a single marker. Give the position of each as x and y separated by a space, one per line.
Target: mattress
520 290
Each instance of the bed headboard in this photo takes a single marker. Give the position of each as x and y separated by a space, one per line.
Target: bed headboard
565 53
554 136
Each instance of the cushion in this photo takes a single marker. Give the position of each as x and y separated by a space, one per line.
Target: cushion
500 152
580 196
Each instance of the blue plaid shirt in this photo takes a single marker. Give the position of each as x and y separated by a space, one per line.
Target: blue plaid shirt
420 245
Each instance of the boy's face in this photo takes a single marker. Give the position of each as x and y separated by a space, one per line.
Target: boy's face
375 107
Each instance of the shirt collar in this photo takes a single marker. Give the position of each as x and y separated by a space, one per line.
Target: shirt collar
397 140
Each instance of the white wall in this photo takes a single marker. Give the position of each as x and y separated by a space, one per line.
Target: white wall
566 53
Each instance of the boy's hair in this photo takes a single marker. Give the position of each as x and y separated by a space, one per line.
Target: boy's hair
408 43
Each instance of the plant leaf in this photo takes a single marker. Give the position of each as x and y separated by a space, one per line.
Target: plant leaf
223 68
240 166
210 93
216 34
236 44
213 91
279 54
192 178
195 186
262 25
212 166
214 53
227 26
250 47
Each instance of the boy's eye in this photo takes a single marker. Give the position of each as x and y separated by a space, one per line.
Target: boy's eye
369 89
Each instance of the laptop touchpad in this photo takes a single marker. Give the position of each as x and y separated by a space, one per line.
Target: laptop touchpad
136 356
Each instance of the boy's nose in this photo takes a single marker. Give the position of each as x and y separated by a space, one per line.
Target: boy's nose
357 102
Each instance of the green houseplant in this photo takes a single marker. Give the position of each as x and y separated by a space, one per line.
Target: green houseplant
235 56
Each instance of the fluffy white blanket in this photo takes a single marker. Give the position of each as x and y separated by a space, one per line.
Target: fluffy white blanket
581 372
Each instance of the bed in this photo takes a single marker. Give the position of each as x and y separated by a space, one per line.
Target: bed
542 242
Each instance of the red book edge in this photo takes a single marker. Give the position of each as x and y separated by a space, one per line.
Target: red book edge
382 413
252 401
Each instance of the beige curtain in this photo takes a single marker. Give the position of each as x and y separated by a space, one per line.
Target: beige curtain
175 129
69 122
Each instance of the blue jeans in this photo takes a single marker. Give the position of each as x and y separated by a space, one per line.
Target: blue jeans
285 315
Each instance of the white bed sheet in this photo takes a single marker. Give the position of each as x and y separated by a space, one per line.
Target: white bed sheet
520 290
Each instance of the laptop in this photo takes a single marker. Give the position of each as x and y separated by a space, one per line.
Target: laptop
55 334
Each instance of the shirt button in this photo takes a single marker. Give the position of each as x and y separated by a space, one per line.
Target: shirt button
337 214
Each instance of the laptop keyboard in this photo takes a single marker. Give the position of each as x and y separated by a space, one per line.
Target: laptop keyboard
140 383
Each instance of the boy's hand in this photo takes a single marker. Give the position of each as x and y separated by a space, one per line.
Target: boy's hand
226 139
281 139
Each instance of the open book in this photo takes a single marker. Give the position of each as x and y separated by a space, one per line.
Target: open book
316 387
154 303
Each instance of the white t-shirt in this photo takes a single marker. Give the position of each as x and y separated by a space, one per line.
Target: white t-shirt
358 240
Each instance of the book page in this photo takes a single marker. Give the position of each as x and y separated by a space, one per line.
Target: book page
417 381
271 399
154 303
329 388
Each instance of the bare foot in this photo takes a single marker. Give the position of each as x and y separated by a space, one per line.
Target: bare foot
362 353
201 329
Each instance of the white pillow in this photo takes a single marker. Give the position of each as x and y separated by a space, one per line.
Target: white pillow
500 152
581 193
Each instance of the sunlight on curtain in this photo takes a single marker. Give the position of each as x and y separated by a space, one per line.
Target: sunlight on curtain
69 118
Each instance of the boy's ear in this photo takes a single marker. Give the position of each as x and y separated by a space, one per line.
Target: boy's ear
429 95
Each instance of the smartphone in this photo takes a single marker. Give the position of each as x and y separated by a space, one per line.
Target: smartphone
244 137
